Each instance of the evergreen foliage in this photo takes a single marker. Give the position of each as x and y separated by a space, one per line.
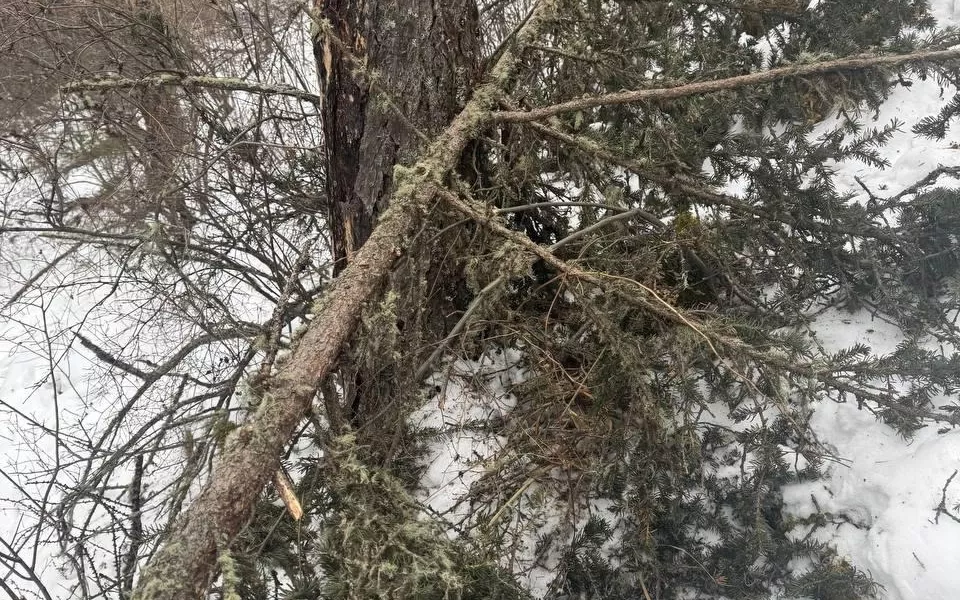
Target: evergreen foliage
619 397
380 546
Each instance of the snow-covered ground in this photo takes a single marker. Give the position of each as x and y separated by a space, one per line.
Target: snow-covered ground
881 498
885 493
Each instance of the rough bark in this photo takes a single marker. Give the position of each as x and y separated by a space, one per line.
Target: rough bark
392 73
185 564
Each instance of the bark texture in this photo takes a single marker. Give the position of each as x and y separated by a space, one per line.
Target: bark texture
393 73
185 564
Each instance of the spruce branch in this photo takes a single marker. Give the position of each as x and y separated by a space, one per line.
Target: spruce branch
487 291
852 63
706 196
720 344
928 180
189 82
649 300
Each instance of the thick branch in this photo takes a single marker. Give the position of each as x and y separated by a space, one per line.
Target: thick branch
184 566
189 81
863 61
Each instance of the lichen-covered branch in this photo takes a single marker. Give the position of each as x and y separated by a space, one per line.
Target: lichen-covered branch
189 81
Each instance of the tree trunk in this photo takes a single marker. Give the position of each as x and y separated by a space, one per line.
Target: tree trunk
184 566
392 74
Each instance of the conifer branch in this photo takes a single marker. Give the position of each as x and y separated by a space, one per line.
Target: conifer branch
183 567
706 196
721 345
852 63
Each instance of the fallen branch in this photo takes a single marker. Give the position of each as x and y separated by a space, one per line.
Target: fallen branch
184 566
648 300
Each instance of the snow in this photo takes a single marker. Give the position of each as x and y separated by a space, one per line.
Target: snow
457 413
34 395
884 491
50 384
882 502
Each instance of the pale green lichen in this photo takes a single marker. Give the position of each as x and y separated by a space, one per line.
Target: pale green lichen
380 546
162 578
228 573
508 259
380 339
404 182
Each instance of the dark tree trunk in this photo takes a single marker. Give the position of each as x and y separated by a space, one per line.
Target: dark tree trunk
185 564
393 73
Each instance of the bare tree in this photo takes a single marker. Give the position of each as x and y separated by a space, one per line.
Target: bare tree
190 207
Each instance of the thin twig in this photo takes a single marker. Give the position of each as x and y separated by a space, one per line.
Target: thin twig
30 283
942 507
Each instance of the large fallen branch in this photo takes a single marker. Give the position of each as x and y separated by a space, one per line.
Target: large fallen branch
184 566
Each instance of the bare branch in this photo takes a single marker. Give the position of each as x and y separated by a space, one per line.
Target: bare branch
189 82
109 358
184 566
31 283
863 61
